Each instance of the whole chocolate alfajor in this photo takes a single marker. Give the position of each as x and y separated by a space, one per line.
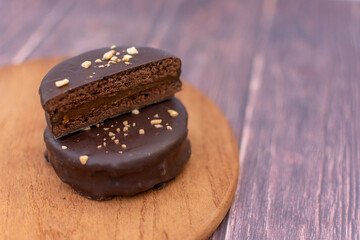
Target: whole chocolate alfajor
104 83
125 155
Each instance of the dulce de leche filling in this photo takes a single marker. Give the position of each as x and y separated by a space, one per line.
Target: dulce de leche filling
104 107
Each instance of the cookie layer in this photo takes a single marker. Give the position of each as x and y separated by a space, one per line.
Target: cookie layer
106 88
125 155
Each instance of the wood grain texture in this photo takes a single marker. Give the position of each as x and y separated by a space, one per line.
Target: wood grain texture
90 24
300 168
35 204
25 24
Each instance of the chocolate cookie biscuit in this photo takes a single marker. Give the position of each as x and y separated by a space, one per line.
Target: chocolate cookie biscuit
104 83
125 155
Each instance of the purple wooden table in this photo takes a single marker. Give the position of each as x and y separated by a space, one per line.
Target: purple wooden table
285 73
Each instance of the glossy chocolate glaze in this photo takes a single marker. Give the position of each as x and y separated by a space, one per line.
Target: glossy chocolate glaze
147 161
79 76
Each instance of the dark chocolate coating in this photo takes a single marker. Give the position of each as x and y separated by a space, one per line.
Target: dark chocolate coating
147 161
79 76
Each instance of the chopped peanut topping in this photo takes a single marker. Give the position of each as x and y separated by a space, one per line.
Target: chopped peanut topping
108 55
173 113
158 125
141 131
155 121
62 83
83 159
86 64
98 60
123 145
63 147
135 111
113 47
168 128
132 50
126 57
116 141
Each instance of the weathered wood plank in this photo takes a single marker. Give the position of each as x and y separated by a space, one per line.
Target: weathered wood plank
24 24
300 164
91 24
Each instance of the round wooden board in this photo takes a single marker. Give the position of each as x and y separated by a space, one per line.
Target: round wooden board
35 204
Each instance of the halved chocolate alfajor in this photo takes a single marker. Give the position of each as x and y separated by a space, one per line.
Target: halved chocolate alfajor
104 83
125 155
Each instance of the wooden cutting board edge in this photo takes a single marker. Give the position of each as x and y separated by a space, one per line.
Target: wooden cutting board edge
216 217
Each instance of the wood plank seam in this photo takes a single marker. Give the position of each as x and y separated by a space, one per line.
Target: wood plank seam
268 12
322 167
254 86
